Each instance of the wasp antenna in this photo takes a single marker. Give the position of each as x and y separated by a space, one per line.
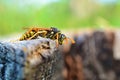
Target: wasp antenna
66 40
73 41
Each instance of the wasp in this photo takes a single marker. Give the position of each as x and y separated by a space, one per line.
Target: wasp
51 33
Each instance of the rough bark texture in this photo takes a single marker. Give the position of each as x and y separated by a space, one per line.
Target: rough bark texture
30 60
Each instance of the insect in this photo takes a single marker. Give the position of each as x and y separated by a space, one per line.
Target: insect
51 33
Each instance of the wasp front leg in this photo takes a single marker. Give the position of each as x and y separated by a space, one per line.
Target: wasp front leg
36 34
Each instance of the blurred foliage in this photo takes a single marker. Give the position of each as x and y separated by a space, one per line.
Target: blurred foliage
13 17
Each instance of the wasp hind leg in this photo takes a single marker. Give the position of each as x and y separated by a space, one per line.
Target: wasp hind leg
41 32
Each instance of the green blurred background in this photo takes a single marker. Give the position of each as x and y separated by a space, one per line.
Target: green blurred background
63 14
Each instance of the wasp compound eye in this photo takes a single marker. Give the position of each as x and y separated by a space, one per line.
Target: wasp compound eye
63 36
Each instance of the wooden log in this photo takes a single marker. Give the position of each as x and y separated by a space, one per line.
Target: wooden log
30 60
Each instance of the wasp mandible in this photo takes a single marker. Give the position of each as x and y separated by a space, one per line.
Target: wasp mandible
51 33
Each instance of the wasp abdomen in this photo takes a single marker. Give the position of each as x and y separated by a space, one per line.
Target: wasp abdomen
27 36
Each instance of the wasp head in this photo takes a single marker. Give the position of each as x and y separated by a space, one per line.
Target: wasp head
62 37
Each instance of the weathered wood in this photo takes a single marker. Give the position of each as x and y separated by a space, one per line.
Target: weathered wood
30 60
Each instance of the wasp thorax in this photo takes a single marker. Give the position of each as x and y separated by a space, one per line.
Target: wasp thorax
55 30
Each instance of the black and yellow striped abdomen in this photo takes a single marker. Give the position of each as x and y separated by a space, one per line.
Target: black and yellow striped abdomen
27 35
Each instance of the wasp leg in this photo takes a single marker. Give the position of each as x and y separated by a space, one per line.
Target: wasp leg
66 40
72 40
44 32
36 29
